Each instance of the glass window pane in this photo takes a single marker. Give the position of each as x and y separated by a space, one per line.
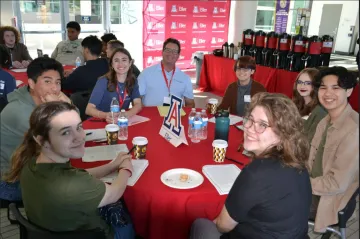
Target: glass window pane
267 3
92 10
45 42
264 20
36 12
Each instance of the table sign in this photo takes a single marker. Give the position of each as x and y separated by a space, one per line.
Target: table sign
172 129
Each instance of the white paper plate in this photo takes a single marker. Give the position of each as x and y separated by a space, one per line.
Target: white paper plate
171 178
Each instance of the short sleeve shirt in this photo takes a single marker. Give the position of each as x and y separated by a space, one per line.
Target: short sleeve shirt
59 197
101 97
153 88
269 200
7 84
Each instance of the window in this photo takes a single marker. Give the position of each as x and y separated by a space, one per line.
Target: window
269 3
265 15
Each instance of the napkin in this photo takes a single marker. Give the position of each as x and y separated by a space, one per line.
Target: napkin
163 111
139 166
221 176
234 119
137 119
96 134
103 153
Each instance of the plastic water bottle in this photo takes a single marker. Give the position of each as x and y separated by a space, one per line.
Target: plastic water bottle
191 118
204 119
123 126
77 62
197 132
114 107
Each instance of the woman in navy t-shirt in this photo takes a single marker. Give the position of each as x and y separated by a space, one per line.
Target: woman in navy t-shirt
120 83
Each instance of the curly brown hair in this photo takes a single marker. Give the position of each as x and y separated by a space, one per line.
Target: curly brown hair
4 29
285 120
299 100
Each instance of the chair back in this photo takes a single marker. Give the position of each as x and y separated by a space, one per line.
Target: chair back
3 103
80 100
31 231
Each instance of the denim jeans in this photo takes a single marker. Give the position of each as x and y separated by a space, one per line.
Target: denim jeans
10 191
126 232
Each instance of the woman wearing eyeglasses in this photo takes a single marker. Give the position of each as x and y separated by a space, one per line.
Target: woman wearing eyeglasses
272 195
306 100
238 94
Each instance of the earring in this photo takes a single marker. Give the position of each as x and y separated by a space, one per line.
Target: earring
279 147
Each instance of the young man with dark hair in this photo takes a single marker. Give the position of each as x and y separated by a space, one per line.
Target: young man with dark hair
7 81
158 82
84 77
334 153
67 51
45 75
105 39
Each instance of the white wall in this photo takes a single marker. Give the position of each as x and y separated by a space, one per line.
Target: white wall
6 13
348 17
242 17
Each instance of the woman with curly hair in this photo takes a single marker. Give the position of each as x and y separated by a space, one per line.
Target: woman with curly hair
10 37
271 197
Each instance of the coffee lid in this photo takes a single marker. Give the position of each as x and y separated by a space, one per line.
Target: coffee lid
213 101
112 127
219 143
139 140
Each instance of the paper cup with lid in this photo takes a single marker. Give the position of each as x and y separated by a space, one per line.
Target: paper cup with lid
219 150
212 106
112 131
140 144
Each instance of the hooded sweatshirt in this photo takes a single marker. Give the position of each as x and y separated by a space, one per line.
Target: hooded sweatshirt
67 51
14 123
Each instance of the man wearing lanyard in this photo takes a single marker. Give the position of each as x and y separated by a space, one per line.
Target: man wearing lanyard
158 82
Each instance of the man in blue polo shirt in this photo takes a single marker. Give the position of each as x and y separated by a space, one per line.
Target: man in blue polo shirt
158 82
7 82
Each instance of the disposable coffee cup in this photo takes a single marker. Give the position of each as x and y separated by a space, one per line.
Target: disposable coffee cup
112 131
212 106
219 150
140 144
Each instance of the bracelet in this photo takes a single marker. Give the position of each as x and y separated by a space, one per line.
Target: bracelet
126 170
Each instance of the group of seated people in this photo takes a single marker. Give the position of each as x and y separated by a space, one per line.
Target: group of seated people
300 169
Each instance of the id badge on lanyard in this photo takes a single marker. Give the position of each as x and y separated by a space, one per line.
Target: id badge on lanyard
121 99
168 85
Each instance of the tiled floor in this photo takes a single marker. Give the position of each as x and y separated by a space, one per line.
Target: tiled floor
8 231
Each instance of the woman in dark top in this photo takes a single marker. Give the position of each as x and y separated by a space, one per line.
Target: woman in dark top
272 195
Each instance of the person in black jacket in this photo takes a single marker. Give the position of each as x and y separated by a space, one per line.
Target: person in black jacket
84 77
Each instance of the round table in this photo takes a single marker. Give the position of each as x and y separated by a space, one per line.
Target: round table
159 211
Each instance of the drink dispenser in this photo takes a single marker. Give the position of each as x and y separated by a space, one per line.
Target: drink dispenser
313 55
327 45
225 48
283 47
256 50
248 41
294 61
268 58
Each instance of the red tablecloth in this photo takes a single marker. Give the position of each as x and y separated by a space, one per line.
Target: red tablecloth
22 76
218 72
159 211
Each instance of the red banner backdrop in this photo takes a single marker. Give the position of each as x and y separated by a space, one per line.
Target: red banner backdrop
199 25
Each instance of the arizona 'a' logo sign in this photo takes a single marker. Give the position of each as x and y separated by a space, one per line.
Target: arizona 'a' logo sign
172 129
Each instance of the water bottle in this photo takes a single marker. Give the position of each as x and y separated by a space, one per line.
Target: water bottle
114 107
197 125
204 119
123 126
191 118
222 123
77 62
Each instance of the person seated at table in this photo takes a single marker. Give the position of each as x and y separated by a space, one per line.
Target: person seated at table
158 82
45 76
114 44
272 195
10 38
104 40
57 196
238 94
120 83
7 81
84 77
67 51
334 153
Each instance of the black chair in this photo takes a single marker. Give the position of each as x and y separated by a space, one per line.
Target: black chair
80 100
6 204
31 231
343 215
3 103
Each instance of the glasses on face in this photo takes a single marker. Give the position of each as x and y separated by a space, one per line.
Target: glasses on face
243 69
299 82
172 51
260 127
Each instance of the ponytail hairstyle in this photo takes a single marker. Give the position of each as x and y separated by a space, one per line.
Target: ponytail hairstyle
40 120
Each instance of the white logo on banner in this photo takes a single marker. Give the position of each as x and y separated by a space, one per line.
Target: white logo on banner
215 10
151 8
150 42
182 41
182 25
195 26
159 25
203 9
221 25
202 25
157 58
196 10
149 25
182 9
194 41
222 10
181 57
149 60
173 25
158 42
214 25
213 40
159 8
173 9
220 40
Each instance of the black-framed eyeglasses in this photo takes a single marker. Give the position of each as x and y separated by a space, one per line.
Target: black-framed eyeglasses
260 127
243 69
299 82
172 51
